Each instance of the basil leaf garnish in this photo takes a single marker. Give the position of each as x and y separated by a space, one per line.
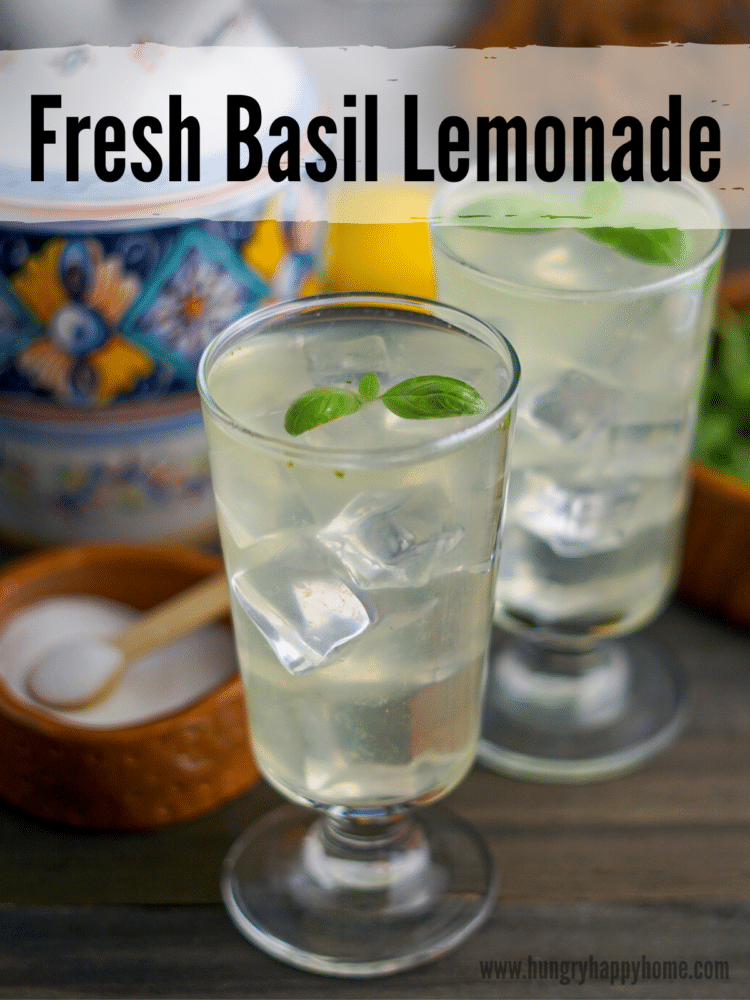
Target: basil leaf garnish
602 197
418 398
319 406
369 387
600 203
668 246
429 396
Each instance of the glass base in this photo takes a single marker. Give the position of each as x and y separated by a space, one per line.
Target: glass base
300 887
575 717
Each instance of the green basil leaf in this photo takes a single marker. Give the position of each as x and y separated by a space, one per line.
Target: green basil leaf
668 246
512 231
428 396
602 197
518 213
319 406
369 387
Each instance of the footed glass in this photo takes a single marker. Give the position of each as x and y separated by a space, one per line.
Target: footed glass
607 291
358 448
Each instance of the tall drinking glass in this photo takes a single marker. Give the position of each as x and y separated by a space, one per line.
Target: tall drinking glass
358 448
607 291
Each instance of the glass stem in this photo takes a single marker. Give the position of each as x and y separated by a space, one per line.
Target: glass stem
562 687
355 834
373 852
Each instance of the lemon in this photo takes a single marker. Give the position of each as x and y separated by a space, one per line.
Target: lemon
381 256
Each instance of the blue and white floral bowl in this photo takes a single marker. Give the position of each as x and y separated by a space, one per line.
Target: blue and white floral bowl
108 295
135 472
101 434
92 319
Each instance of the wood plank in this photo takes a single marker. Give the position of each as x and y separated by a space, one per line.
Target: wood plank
659 796
193 952
675 865
573 846
49 863
676 830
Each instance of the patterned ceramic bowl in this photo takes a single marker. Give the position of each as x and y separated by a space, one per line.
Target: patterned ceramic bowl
100 427
110 292
134 471
93 318
138 776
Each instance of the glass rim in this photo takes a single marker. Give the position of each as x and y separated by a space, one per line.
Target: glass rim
701 192
353 457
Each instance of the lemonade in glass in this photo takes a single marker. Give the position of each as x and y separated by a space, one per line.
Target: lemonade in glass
358 448
607 291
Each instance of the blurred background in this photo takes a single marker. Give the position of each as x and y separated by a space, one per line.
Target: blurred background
269 260
392 23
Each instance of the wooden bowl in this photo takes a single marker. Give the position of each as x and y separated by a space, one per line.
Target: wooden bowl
142 776
716 566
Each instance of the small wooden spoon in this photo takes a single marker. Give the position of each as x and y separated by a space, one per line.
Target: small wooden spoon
85 671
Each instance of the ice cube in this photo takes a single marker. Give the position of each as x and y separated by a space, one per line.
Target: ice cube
656 346
574 519
394 538
302 607
248 518
331 361
576 409
682 311
649 449
257 499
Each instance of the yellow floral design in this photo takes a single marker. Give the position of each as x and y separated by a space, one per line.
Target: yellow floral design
118 365
265 249
38 282
54 361
310 286
39 285
113 292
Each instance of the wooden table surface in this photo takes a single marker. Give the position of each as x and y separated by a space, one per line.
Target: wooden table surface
655 864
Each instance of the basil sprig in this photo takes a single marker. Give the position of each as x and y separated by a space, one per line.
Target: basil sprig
424 397
667 246
661 242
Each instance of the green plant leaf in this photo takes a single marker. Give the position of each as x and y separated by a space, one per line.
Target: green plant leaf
512 231
714 435
668 246
712 275
734 359
739 460
369 387
723 433
519 213
428 396
650 239
602 197
319 406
